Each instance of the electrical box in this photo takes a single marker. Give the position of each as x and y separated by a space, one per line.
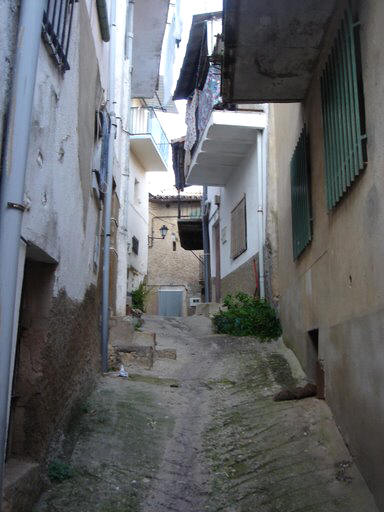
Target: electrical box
193 301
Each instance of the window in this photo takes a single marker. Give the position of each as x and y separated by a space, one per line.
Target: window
301 196
56 30
238 230
135 245
343 112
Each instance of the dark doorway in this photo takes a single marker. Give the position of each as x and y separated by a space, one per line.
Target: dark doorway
315 367
31 339
216 241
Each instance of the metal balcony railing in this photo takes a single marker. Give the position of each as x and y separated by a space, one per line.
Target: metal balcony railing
144 121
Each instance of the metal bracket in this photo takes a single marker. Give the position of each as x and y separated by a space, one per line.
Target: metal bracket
16 206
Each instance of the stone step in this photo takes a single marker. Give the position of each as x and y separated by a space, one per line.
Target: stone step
136 351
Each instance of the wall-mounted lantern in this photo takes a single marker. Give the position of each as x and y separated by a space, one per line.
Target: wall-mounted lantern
163 232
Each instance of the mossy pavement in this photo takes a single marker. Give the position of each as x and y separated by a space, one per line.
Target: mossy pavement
203 433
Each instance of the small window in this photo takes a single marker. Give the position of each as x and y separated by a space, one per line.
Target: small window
343 112
56 30
300 196
238 230
135 245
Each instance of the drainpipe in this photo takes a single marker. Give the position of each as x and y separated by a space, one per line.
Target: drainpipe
207 283
108 194
12 195
103 20
260 212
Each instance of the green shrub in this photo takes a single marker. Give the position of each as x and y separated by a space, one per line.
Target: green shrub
59 471
139 296
247 316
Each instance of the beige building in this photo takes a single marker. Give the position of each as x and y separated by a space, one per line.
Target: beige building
328 154
174 274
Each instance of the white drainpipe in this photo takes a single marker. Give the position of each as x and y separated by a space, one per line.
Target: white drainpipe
260 210
12 195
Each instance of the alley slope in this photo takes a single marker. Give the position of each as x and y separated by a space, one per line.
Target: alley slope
202 433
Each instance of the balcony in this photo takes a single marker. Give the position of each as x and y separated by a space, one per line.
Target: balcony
224 144
190 227
148 140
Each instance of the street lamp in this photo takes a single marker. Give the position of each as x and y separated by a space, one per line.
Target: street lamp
163 232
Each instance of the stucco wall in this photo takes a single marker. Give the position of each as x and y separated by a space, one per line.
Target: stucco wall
337 284
138 223
166 267
59 341
235 273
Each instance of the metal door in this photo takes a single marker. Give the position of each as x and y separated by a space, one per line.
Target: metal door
170 302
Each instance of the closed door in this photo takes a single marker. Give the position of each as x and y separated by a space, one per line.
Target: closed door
170 302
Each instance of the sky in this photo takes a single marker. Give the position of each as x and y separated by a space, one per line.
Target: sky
173 124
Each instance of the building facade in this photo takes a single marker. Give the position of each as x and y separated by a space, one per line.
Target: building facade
55 352
225 150
174 274
326 201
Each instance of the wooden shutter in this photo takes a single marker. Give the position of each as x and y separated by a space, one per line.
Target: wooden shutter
238 230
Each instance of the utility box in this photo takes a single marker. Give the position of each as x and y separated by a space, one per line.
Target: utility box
193 301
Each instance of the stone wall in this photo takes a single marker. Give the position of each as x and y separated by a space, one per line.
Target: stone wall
241 280
56 363
166 267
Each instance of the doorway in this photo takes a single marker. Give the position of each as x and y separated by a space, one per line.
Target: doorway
170 302
27 375
216 241
314 364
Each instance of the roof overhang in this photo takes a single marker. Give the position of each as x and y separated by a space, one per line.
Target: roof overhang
191 234
271 48
150 18
146 151
226 141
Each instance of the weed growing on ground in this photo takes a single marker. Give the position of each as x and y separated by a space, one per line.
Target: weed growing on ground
247 316
139 296
59 471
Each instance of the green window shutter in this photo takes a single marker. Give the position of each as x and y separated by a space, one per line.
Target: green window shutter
343 115
301 196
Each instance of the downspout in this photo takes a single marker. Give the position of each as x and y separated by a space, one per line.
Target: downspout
12 195
207 283
260 212
108 194
103 20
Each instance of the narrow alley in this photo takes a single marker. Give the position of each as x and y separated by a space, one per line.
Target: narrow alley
202 433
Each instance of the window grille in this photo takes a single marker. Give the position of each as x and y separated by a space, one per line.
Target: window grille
238 229
301 196
135 245
343 113
56 30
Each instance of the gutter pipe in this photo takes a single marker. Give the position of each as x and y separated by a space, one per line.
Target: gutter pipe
207 287
108 194
260 212
12 196
103 20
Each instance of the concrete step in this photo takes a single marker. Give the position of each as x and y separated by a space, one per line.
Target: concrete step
208 308
137 350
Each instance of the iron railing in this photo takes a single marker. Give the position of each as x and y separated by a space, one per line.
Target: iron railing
301 196
56 30
343 113
145 121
